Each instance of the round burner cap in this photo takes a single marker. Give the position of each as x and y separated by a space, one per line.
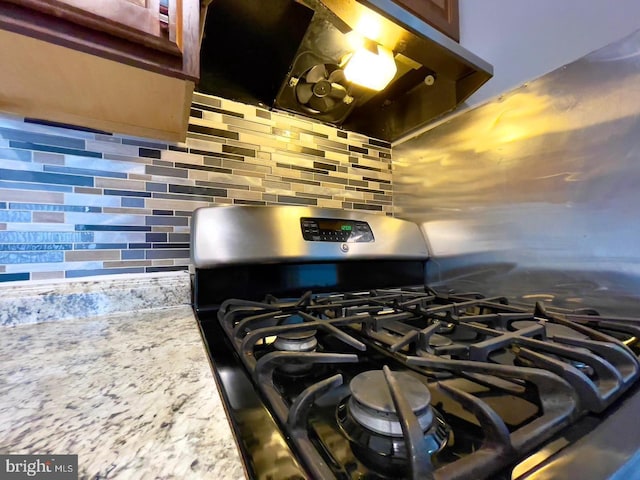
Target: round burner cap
297 334
439 341
371 390
296 341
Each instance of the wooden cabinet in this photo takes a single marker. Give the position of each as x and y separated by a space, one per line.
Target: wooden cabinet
174 32
440 14
138 20
127 66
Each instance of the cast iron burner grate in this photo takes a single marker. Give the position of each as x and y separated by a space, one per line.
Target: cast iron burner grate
491 381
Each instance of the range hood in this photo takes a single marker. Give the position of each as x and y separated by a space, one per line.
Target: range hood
273 57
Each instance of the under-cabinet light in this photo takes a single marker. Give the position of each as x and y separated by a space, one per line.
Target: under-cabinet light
371 66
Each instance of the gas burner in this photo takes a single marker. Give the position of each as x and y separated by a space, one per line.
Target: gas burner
370 421
372 407
296 341
437 340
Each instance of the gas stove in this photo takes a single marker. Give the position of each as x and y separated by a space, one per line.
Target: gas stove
335 361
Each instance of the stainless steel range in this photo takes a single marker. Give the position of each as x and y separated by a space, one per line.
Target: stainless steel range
336 361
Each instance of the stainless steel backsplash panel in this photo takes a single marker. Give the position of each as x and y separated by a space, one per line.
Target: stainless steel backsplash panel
539 189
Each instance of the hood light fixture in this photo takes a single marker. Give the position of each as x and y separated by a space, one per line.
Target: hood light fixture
371 66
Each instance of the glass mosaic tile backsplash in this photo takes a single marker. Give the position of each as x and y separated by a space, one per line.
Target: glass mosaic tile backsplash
75 202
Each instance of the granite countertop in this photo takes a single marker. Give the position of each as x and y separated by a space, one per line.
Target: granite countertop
130 393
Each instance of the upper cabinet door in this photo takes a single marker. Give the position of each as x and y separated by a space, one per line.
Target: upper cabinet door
161 35
140 21
124 66
440 14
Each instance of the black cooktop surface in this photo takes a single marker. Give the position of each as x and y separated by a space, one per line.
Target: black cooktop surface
412 383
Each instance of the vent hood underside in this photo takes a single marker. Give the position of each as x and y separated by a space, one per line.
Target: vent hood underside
256 55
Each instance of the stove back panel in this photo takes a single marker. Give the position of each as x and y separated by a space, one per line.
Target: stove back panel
537 190
276 234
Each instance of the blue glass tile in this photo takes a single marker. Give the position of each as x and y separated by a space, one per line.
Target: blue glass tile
35 186
44 237
139 245
156 237
142 143
176 196
114 228
118 237
23 247
101 271
166 171
126 193
156 187
171 245
214 192
99 246
107 138
176 148
164 220
133 202
166 269
237 201
13 277
31 257
162 212
53 208
149 152
179 237
158 254
12 154
3 204
14 216
41 138
84 171
121 164
218 132
132 254
41 177
47 148
91 200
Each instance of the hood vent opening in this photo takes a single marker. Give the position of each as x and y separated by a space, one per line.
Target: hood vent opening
247 49
291 57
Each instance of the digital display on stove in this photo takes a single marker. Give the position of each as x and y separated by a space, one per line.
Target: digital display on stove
334 225
335 230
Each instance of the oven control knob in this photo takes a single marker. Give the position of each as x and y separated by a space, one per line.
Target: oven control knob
344 247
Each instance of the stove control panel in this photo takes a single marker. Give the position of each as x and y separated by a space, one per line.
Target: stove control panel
335 230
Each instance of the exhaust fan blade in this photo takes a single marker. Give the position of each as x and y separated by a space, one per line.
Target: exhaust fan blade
316 73
337 76
322 104
337 91
304 92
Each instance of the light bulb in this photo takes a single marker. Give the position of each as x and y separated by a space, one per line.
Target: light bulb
369 69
